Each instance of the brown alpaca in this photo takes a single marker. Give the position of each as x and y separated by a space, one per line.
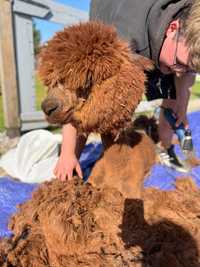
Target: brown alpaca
94 80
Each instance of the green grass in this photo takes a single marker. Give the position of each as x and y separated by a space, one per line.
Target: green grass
196 90
41 93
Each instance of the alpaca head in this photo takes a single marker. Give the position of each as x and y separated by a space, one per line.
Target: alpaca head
88 69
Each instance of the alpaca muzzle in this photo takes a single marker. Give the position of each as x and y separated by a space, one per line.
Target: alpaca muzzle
50 106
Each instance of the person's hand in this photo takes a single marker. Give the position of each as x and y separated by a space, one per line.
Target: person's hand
183 91
181 118
66 165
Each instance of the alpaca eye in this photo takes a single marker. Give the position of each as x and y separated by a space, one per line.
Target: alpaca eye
82 100
80 93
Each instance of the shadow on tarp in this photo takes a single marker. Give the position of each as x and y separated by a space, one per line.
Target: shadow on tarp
13 192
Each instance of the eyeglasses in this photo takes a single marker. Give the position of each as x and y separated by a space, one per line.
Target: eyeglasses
177 65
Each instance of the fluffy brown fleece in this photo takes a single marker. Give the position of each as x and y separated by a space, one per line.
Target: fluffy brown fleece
73 224
95 81
125 164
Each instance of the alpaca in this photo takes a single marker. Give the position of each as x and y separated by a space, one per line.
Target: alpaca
94 79
95 82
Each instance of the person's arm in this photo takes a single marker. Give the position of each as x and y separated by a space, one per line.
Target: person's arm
70 151
183 85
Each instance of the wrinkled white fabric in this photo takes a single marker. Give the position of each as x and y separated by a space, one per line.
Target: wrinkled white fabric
34 158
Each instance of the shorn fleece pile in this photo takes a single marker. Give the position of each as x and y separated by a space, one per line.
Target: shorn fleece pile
73 224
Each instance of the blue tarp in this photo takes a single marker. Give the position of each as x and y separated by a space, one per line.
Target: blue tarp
164 178
13 192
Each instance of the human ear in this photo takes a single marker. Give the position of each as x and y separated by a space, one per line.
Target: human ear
173 27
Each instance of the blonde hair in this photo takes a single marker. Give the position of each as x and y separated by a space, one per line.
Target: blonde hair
192 35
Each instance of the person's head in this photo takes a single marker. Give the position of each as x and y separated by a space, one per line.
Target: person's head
177 54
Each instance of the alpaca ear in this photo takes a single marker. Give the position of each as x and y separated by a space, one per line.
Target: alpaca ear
85 90
88 80
145 64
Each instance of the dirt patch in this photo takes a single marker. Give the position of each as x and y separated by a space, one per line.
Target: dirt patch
73 224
